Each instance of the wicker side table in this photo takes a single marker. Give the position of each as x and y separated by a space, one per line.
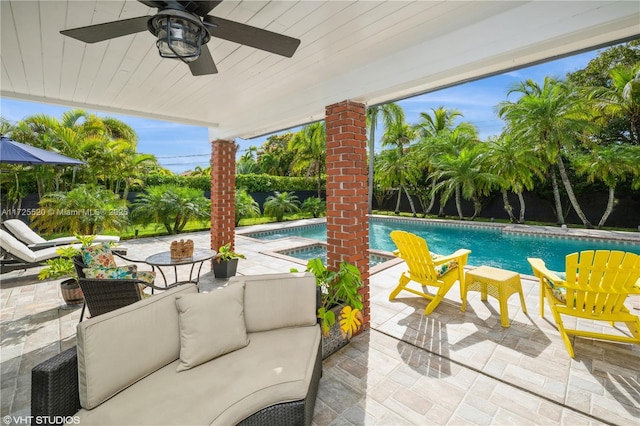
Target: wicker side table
497 283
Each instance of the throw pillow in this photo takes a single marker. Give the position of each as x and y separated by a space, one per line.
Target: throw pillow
211 325
445 267
116 273
98 255
129 272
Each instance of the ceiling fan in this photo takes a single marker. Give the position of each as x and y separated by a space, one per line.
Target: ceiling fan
183 29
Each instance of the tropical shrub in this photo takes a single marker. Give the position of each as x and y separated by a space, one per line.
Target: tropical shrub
338 287
171 206
281 203
86 209
315 206
246 206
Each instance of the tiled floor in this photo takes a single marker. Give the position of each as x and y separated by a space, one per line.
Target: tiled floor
446 368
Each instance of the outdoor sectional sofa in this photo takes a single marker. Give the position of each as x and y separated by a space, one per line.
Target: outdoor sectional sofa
248 353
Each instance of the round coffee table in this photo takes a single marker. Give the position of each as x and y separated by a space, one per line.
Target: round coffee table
159 260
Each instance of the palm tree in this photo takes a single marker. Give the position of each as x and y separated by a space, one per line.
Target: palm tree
281 203
395 170
466 176
86 209
310 152
447 141
315 206
443 119
513 162
391 114
611 165
550 118
621 102
172 206
246 206
400 136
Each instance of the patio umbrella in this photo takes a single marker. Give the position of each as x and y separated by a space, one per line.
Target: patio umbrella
12 152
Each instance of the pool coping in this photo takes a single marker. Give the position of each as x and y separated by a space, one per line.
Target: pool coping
551 231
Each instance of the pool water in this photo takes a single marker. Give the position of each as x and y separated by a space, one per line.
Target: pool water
320 251
488 245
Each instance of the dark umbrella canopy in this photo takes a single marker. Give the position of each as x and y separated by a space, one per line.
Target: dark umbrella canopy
12 152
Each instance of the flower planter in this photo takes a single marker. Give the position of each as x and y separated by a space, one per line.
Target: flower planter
71 292
334 341
225 269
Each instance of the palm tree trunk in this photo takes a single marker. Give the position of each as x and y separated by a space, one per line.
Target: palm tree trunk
441 209
397 211
609 208
458 204
372 135
522 206
413 207
571 195
477 207
556 198
507 206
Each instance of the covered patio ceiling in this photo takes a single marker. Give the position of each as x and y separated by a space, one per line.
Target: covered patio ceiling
367 51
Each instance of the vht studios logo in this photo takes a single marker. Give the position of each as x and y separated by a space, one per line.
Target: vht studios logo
40 420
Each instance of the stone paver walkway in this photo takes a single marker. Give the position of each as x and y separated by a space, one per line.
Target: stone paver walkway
446 368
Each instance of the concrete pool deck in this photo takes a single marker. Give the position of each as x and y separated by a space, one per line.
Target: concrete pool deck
446 368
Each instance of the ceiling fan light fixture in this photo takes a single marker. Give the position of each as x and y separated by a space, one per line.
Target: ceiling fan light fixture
179 35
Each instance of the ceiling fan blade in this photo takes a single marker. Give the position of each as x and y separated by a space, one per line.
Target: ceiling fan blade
251 36
204 7
204 65
156 4
108 30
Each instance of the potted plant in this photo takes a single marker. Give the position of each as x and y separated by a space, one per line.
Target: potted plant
63 267
225 263
340 311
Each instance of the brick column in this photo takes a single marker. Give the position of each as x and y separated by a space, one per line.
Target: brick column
223 199
347 205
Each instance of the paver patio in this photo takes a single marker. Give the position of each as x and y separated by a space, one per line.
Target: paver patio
446 368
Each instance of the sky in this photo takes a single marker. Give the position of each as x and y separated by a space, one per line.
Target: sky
475 100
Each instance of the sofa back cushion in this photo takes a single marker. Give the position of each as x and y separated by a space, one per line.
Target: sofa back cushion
273 301
120 347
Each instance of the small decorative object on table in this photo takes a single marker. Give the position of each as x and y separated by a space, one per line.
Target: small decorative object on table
181 249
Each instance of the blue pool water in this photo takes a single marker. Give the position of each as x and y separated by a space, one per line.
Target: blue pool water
489 246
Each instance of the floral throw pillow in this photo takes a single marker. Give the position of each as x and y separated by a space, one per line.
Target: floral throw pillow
445 267
98 256
129 272
116 273
557 291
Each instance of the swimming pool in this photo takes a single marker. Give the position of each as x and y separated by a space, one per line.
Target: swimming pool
489 245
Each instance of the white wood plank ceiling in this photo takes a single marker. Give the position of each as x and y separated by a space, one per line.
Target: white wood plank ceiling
368 51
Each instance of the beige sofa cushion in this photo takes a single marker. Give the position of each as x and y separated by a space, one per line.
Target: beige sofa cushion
274 301
275 367
120 347
211 324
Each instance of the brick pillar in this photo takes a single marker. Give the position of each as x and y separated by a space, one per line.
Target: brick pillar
347 205
223 199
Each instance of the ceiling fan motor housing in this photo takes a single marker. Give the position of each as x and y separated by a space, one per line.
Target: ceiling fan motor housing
180 34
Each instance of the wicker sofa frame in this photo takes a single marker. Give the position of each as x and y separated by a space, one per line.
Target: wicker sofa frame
55 394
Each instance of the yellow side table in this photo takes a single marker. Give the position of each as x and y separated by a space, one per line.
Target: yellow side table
495 282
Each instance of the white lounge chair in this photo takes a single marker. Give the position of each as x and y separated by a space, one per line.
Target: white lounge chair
24 233
16 255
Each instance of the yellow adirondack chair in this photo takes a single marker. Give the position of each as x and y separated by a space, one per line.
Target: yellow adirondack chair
427 269
594 286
